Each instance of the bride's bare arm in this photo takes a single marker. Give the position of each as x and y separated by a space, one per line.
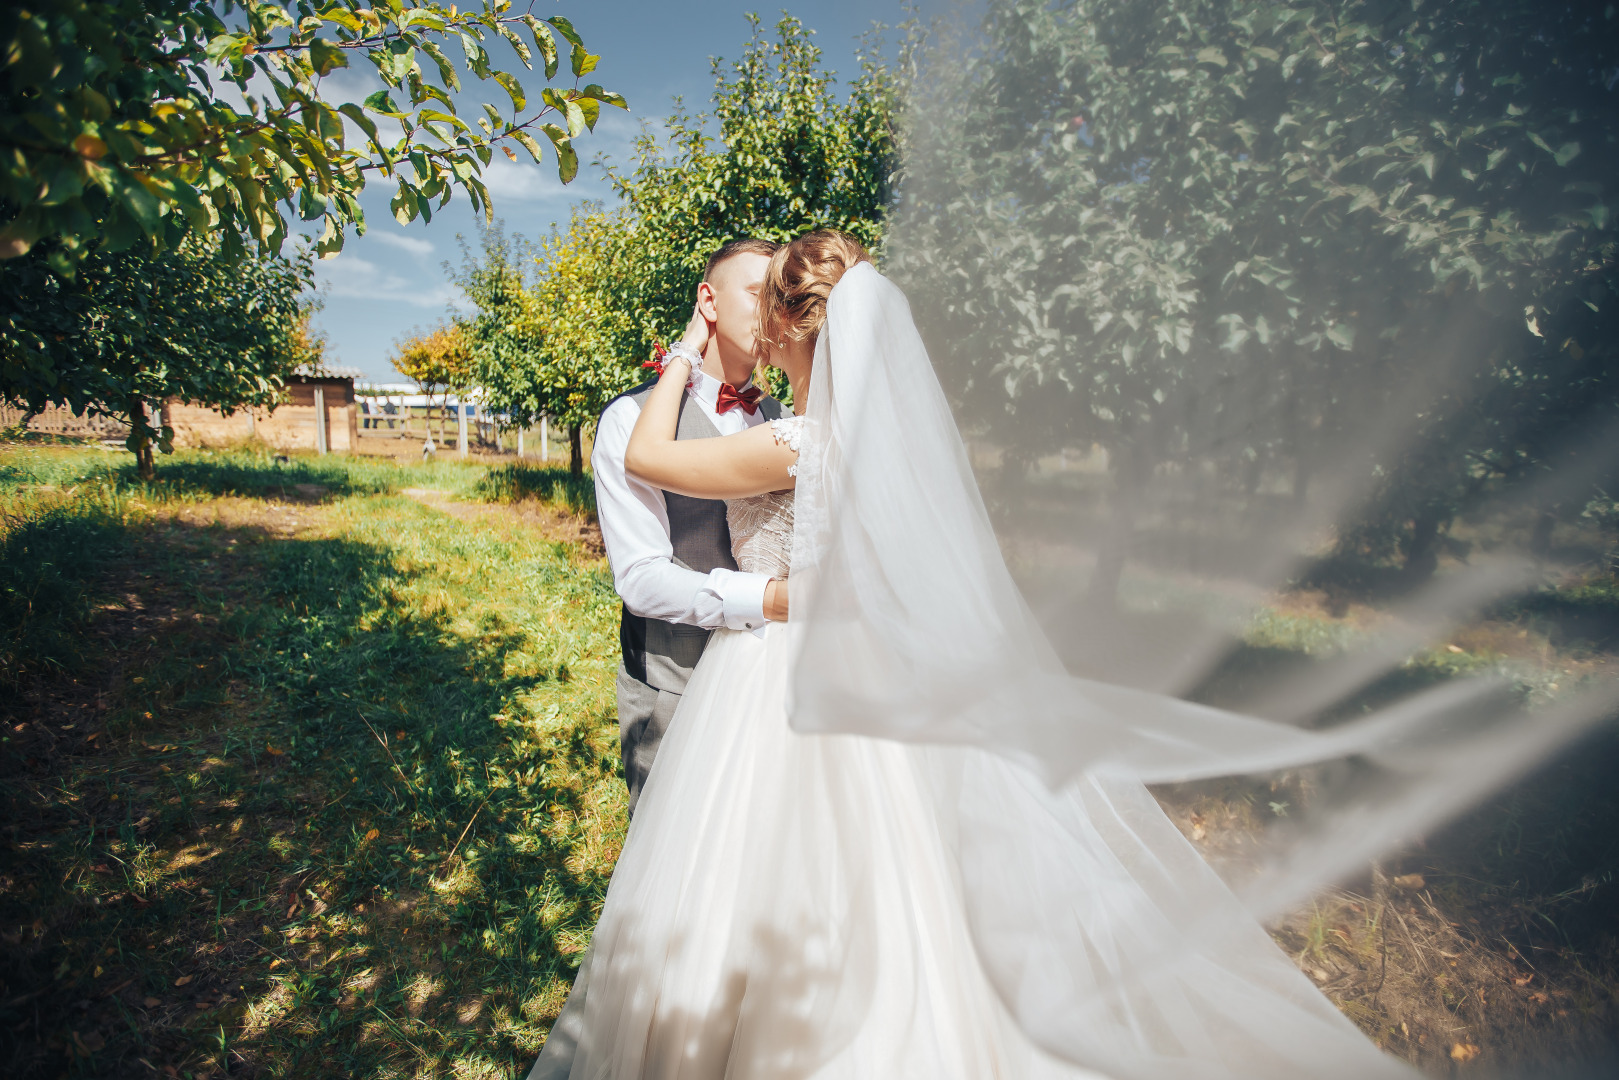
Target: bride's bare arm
730 467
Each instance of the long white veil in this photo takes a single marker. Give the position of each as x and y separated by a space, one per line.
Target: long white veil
1110 940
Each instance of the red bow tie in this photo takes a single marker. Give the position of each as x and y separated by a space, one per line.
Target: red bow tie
730 397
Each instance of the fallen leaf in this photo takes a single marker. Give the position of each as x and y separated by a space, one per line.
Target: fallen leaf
372 834
1409 882
97 975
1455 648
182 980
272 750
151 1003
1539 998
1462 1052
1522 980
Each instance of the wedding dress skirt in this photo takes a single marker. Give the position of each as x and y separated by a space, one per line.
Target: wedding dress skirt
792 906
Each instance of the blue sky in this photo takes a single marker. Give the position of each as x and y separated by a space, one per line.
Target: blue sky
392 280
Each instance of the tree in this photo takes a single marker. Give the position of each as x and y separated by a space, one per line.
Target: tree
1236 234
115 133
562 329
123 162
440 358
790 157
131 330
549 338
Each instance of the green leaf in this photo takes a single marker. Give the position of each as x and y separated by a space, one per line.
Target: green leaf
567 160
583 62
513 88
544 42
591 108
380 102
565 28
528 143
517 44
331 239
1566 153
576 118
446 70
606 97
1211 55
344 18
434 115
362 121
404 205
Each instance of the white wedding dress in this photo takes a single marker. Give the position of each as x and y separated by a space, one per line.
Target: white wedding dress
895 838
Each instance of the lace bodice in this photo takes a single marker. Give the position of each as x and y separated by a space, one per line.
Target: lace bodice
762 525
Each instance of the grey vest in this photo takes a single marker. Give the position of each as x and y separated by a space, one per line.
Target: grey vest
663 654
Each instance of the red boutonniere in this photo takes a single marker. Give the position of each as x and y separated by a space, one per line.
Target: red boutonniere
658 354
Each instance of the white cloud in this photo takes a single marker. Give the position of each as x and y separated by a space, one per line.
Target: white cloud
350 277
413 244
521 181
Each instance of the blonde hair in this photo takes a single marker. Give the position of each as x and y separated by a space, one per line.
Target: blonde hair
792 300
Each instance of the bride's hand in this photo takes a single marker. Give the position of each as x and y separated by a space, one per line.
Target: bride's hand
697 332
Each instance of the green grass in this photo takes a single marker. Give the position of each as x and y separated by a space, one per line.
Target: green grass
301 777
332 799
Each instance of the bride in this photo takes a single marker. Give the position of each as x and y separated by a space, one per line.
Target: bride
892 838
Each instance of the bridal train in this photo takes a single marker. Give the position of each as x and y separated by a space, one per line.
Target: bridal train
892 839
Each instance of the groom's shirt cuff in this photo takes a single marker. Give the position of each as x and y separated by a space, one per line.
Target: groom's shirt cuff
741 596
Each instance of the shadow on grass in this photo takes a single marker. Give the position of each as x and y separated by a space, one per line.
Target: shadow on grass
559 487
285 815
1581 617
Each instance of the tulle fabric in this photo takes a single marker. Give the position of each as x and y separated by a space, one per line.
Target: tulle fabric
787 907
894 838
794 906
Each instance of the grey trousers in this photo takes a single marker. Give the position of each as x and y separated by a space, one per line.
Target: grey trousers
644 713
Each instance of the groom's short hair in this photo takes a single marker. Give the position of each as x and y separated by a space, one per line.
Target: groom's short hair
748 245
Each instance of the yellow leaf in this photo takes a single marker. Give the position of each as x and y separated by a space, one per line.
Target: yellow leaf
1410 882
91 147
270 749
182 980
372 835
1463 1052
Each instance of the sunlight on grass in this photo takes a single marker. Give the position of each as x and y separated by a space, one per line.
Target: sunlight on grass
310 777
321 694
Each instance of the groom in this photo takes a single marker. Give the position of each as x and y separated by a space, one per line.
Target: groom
671 554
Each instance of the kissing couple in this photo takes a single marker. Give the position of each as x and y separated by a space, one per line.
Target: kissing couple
887 835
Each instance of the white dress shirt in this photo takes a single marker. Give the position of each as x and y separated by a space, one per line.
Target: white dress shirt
635 527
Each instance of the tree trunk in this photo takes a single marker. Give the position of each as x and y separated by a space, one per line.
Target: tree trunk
576 451
1422 552
1129 470
140 438
1540 538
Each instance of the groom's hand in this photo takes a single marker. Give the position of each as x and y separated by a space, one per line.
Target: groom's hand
776 600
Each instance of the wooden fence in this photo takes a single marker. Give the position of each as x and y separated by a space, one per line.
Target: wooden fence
56 420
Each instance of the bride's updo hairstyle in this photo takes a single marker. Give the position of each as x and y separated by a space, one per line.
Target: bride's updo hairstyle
792 300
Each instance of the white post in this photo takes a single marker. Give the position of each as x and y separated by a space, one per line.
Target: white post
545 439
519 442
320 420
461 427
